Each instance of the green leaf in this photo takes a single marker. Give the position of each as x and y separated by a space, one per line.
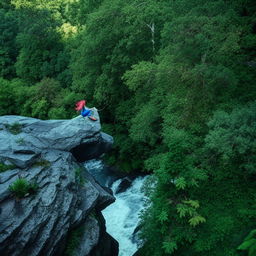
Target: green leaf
251 235
247 244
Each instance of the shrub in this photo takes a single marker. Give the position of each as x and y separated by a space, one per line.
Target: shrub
5 167
21 187
14 128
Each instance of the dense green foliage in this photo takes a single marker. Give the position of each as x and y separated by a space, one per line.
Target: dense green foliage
249 243
175 85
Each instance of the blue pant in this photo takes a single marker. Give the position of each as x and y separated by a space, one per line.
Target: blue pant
86 112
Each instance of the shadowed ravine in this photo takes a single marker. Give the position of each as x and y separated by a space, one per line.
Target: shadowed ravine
122 217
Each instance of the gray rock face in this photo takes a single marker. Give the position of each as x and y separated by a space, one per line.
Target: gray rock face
95 236
90 237
39 151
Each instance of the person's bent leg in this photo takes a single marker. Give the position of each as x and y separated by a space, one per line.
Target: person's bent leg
85 112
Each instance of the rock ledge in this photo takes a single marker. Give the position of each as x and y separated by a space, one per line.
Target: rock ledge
41 152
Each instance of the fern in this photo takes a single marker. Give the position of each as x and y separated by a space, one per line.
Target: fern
192 203
169 247
180 183
185 210
163 216
182 210
196 220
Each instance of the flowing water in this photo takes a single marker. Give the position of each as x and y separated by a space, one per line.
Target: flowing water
122 217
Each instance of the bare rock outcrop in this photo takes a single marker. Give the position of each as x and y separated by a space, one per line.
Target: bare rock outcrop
47 153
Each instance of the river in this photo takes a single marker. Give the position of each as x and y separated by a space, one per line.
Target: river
122 217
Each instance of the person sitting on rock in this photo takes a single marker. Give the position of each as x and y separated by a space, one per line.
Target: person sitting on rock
80 106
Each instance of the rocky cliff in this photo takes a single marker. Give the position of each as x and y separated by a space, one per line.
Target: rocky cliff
62 196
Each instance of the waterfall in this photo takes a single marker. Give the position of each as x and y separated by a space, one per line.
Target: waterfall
122 217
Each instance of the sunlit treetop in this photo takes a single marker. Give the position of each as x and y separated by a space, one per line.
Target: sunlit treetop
39 4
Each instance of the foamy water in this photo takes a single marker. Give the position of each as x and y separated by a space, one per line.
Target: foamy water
122 217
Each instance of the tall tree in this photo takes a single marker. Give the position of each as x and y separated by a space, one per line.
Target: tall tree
8 47
37 58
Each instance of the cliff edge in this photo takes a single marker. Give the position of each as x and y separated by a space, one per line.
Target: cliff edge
62 195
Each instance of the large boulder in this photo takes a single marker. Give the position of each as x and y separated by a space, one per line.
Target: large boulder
41 153
124 185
